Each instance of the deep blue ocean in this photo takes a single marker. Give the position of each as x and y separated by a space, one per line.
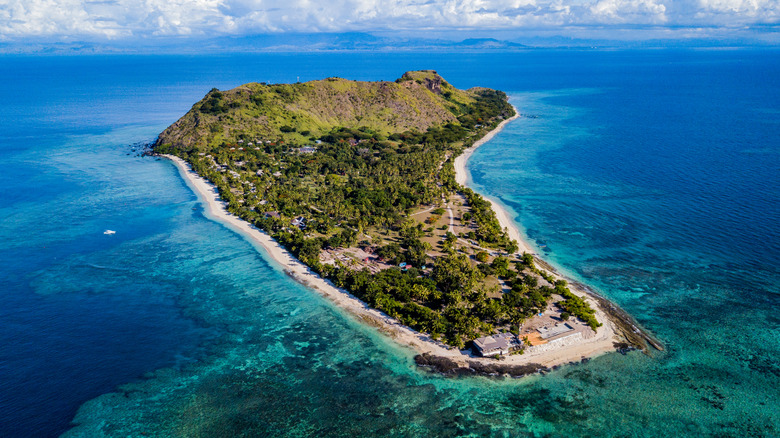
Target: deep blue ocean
652 176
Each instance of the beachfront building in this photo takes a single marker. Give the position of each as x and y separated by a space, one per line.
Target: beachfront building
555 331
502 343
549 338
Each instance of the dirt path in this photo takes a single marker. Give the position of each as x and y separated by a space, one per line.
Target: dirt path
424 211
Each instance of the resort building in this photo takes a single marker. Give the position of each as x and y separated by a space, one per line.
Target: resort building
554 331
552 338
502 343
299 222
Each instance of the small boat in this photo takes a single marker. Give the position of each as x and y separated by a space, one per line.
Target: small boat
109 232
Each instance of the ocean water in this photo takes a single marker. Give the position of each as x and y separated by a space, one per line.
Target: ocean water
650 175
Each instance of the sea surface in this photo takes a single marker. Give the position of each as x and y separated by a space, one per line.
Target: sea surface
652 176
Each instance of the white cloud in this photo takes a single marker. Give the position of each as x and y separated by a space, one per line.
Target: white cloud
737 6
629 11
110 18
720 11
116 19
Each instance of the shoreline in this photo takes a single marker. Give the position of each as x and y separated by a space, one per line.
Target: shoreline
624 329
461 177
430 353
216 211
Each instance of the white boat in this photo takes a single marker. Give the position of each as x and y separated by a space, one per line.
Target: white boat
109 232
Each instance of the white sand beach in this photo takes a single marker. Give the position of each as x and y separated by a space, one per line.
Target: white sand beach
461 177
216 210
607 334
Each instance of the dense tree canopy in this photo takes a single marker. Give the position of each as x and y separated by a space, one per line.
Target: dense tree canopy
350 181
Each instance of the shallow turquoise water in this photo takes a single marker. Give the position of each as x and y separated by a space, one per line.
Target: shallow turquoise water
652 176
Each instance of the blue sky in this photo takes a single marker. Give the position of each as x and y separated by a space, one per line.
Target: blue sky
136 20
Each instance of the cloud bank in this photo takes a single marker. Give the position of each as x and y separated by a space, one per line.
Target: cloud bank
127 19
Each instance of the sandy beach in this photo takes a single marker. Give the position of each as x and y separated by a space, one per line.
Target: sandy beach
215 209
606 335
461 177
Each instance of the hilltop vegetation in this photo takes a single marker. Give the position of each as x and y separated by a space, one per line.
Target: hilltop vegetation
334 168
297 112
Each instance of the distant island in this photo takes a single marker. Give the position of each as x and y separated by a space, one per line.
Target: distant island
357 189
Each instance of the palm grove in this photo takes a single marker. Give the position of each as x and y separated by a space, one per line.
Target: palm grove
358 188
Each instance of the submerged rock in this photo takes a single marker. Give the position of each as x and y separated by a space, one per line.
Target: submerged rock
449 367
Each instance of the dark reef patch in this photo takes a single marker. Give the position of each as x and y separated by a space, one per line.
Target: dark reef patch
449 367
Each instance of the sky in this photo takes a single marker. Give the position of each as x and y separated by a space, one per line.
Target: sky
147 20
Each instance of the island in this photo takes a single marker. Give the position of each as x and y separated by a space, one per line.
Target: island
358 190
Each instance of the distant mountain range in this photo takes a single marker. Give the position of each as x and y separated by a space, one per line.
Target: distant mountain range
263 43
351 41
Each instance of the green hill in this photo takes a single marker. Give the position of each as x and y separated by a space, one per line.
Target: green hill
296 113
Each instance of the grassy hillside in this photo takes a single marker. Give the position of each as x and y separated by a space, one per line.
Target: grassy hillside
298 113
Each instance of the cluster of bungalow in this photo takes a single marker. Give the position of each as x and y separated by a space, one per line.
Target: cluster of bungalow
257 140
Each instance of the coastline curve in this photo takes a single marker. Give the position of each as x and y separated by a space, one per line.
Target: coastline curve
429 353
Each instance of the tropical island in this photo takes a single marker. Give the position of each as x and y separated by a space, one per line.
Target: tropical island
357 189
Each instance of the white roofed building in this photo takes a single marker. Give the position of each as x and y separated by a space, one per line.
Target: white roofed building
502 343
